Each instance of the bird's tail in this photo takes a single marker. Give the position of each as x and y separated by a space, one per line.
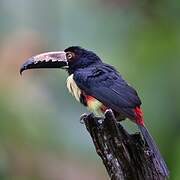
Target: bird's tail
161 165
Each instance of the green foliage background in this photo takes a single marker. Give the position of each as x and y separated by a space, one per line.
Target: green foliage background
40 133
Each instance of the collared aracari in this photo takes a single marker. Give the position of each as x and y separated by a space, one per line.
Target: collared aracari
98 86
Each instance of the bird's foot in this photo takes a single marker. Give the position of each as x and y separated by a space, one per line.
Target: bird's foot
108 111
109 114
83 117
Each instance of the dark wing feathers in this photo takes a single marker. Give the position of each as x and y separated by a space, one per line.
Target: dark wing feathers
105 84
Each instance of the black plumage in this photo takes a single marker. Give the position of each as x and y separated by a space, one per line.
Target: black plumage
105 84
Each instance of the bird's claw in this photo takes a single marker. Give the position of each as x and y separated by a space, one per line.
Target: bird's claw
109 113
83 117
107 110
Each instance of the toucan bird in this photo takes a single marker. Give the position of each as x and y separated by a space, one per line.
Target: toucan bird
98 86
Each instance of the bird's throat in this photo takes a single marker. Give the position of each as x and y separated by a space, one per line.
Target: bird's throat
73 88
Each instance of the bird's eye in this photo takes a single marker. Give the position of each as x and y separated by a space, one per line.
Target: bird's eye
69 55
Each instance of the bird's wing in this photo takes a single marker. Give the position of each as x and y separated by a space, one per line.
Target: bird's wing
106 85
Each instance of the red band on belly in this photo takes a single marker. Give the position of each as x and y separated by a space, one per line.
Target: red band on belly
90 99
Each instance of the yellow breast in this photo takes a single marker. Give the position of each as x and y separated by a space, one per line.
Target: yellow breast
95 106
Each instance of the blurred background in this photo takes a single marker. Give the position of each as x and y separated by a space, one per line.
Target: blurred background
41 137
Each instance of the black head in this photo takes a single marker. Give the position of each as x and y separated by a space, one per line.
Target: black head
72 59
80 58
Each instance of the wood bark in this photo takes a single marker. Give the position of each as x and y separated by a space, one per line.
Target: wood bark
125 156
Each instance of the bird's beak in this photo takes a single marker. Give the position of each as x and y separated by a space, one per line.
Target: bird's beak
46 60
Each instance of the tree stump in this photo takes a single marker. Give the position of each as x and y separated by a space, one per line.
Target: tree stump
125 156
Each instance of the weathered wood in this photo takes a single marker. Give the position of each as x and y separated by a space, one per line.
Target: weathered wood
125 156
